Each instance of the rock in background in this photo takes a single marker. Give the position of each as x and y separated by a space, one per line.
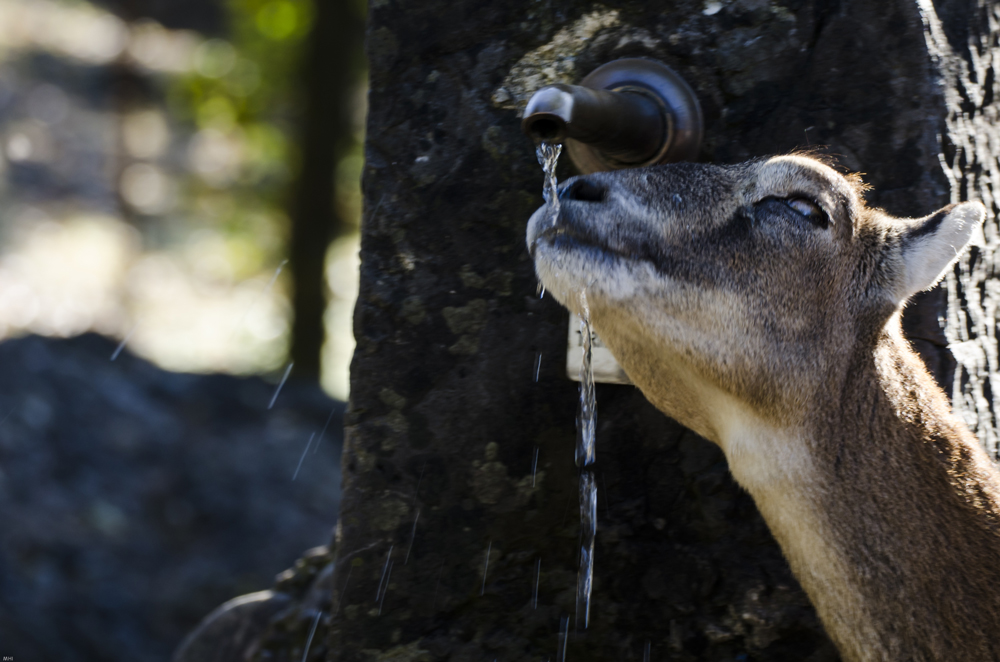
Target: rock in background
134 500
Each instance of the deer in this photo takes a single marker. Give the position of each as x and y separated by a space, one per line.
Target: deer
759 305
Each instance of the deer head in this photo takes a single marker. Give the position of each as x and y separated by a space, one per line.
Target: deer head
745 286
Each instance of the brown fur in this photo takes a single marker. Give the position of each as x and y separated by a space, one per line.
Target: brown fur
777 336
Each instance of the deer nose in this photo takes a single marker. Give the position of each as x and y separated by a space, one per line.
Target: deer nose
583 189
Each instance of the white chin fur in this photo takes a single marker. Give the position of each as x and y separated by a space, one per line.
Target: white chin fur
560 275
567 272
535 224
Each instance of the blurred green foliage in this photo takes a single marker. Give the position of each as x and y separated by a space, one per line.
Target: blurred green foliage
242 95
246 92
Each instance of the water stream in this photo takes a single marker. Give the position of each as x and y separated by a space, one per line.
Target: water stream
586 419
588 531
548 157
586 433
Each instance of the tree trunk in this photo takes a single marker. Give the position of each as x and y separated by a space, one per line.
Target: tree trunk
330 73
962 40
444 525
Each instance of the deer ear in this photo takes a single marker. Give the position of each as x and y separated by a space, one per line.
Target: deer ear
930 245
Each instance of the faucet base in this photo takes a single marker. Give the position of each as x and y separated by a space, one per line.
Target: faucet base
661 83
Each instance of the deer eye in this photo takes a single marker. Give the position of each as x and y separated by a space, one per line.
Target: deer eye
807 208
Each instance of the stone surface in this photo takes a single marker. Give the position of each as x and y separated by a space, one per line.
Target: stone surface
134 500
443 525
228 634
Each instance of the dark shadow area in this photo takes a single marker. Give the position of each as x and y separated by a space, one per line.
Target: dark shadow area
133 500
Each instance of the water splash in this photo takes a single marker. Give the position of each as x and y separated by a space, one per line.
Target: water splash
548 157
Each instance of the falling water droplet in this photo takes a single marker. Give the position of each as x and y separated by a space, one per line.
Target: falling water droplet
343 593
323 431
386 589
308 444
540 291
538 365
538 574
563 637
588 532
416 492
534 467
645 653
486 567
270 284
284 378
121 345
385 568
413 536
312 633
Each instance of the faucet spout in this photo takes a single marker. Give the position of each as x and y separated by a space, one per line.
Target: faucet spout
628 127
627 113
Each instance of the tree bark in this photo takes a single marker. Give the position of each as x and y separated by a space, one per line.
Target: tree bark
962 39
443 522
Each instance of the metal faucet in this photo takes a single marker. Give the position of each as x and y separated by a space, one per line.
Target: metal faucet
627 113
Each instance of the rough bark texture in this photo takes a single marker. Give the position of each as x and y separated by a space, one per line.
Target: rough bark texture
445 416
963 37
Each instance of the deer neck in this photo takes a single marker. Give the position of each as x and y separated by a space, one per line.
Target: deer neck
885 507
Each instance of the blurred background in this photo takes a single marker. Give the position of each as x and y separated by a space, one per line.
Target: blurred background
184 173
179 210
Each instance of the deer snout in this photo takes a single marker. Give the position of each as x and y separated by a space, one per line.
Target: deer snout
583 189
581 201
578 198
